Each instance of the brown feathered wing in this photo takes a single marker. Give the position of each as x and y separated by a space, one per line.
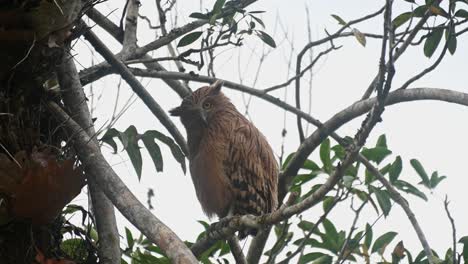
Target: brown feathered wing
252 170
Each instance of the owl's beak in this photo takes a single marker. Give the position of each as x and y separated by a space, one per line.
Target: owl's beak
204 117
175 111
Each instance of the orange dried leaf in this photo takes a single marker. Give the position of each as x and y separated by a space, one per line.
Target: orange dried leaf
46 187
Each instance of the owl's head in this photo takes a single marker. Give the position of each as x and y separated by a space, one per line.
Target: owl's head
202 105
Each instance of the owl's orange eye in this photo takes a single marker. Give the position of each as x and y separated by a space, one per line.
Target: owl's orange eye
206 105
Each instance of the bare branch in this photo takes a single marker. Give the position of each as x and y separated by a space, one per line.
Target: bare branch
236 250
95 164
162 22
138 89
400 51
303 52
430 68
105 23
303 71
131 23
454 231
396 196
343 256
75 102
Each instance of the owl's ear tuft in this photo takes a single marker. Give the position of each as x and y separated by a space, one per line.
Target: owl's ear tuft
216 86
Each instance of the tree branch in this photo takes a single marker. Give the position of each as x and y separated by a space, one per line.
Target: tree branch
396 196
138 89
96 72
454 231
400 50
236 250
75 102
95 164
131 23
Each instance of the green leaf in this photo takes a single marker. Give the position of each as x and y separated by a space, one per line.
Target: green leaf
129 236
420 11
339 151
421 172
376 154
133 150
325 155
435 179
330 229
451 39
303 178
409 188
175 150
382 141
224 249
258 20
464 241
306 225
339 19
383 198
214 17
402 19
395 169
108 138
348 181
310 165
461 13
328 203
218 6
315 257
287 160
368 236
360 37
266 38
154 151
198 15
382 242
433 41
189 38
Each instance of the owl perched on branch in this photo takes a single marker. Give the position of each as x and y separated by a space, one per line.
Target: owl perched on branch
232 165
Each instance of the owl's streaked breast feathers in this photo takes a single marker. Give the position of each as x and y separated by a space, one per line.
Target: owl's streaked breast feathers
232 165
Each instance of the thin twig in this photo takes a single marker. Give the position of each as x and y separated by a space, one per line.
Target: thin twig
138 89
303 71
454 231
342 256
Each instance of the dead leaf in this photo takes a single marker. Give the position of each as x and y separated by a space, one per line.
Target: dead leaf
361 38
39 186
399 250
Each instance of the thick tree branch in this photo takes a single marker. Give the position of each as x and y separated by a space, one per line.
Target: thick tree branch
75 102
138 89
131 23
94 163
236 250
105 23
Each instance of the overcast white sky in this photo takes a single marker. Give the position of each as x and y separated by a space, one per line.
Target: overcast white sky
433 132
